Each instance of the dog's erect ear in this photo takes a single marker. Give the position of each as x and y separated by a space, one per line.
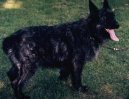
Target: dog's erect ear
106 4
92 7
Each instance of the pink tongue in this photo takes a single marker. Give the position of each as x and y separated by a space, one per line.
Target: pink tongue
112 34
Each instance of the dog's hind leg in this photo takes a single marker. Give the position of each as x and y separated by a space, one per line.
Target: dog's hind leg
27 72
19 77
19 74
13 73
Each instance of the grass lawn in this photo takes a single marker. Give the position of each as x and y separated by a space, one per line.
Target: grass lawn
108 75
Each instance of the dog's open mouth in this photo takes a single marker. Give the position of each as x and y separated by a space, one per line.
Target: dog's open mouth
112 34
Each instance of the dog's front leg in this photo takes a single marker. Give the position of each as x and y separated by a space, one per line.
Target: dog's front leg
76 77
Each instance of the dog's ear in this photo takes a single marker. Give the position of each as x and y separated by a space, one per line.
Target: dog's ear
106 4
92 7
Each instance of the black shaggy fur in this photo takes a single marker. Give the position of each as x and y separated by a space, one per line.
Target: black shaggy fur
67 46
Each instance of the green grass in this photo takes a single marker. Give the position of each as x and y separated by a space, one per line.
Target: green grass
108 75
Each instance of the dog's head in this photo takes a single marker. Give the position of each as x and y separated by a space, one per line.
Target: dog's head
106 22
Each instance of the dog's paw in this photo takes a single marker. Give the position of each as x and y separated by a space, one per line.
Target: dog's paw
80 89
86 90
83 89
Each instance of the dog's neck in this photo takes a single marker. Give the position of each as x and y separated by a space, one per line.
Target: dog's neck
94 31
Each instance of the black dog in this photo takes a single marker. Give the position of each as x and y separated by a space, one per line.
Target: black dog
67 46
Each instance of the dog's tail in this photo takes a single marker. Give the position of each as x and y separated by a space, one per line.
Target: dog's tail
7 44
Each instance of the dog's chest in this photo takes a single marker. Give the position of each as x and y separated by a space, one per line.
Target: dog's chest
91 53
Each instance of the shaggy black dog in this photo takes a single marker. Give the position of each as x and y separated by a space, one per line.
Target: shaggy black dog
67 46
